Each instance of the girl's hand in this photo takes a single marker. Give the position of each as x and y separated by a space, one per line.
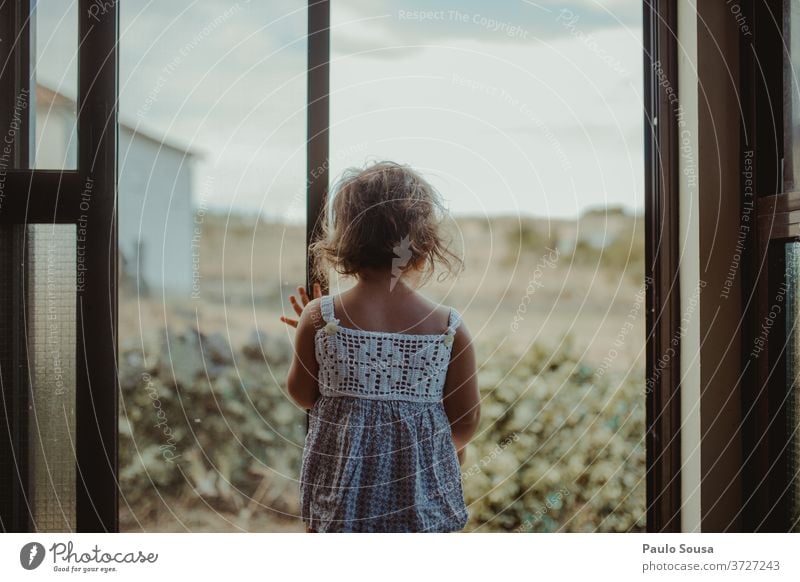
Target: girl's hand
298 309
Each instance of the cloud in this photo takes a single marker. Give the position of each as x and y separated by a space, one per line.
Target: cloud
539 128
387 29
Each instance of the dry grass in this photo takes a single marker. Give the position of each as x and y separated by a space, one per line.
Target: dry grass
250 268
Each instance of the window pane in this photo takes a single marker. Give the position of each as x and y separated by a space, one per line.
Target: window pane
792 254
533 136
211 240
55 83
51 296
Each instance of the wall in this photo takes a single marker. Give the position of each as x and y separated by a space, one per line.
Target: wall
720 310
56 138
155 209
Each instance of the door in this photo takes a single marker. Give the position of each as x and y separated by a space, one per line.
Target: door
58 307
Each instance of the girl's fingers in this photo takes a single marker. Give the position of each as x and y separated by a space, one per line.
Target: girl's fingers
303 295
304 299
297 309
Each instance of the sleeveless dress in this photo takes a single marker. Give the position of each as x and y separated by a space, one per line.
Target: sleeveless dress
379 455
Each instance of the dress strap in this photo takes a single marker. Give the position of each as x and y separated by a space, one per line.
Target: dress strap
455 320
326 305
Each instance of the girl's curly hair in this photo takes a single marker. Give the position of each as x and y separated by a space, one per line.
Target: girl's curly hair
383 216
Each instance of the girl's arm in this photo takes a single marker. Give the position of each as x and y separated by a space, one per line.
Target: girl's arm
301 382
461 398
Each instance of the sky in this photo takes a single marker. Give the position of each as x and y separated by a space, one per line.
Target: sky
510 108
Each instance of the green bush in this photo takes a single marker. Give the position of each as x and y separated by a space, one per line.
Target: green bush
559 447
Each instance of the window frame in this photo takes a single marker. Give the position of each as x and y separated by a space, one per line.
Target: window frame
765 483
662 262
53 197
318 125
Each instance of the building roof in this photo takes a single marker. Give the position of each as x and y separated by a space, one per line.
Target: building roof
47 97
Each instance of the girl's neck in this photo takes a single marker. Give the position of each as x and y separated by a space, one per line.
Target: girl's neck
381 282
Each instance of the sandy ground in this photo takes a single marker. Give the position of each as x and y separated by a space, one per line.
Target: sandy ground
249 270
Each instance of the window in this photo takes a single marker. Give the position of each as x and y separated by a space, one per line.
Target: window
58 296
212 232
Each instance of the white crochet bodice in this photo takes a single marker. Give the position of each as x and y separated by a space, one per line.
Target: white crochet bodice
382 365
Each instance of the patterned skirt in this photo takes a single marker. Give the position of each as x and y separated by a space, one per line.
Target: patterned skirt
380 466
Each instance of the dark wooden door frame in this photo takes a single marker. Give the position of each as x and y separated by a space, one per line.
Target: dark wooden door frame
318 123
54 197
662 386
766 481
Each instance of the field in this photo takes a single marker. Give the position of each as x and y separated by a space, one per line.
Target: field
210 442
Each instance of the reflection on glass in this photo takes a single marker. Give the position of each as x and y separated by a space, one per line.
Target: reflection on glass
51 279
55 83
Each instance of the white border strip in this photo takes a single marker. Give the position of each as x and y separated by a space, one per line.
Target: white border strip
688 201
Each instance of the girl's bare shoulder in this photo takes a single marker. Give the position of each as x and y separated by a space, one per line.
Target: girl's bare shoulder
312 314
439 312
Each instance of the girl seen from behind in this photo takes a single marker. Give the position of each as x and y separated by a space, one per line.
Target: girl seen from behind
388 375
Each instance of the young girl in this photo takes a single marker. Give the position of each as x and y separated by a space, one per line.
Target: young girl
389 375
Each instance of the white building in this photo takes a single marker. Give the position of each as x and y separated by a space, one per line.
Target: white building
155 208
